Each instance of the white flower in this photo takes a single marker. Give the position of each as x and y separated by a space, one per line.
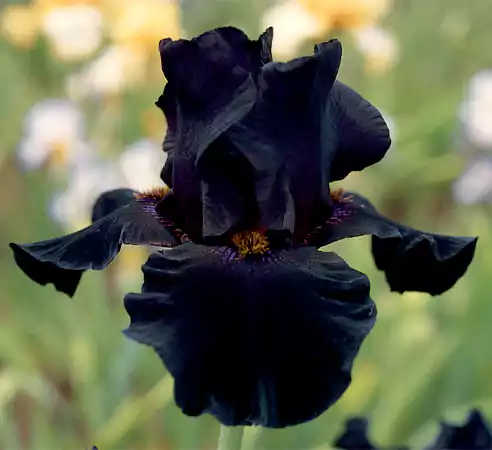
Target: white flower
54 130
116 69
141 164
378 46
475 183
476 110
75 31
72 208
292 25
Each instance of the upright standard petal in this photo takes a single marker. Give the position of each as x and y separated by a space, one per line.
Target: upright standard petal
362 133
62 260
248 54
288 141
474 434
268 341
207 90
251 55
412 260
210 87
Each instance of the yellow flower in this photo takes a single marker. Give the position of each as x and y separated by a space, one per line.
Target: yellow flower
74 32
346 14
117 68
292 25
20 25
74 28
129 263
52 4
379 47
295 21
139 25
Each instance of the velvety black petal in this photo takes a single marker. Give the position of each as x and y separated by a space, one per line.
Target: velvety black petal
228 195
110 201
250 55
355 436
290 140
167 170
62 260
208 90
363 136
412 260
474 434
268 341
167 103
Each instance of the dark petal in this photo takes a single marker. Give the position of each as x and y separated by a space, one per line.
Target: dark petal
228 194
167 103
187 192
412 260
355 436
266 40
474 434
289 139
67 280
363 136
110 201
208 91
250 55
167 170
62 260
268 341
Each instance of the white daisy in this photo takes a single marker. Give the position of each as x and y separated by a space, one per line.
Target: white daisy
72 208
476 111
53 130
115 70
74 32
475 183
379 47
141 164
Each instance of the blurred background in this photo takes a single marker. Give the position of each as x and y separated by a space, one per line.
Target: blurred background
78 81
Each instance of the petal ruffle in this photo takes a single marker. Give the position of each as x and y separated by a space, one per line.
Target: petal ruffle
62 260
207 90
268 341
210 87
362 133
243 52
248 54
290 140
412 260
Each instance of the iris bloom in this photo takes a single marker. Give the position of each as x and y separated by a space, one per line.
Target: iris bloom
473 434
255 324
355 435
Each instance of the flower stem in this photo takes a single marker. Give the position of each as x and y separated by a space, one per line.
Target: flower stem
230 438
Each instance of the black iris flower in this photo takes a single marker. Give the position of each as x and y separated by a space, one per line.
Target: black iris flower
474 434
255 324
